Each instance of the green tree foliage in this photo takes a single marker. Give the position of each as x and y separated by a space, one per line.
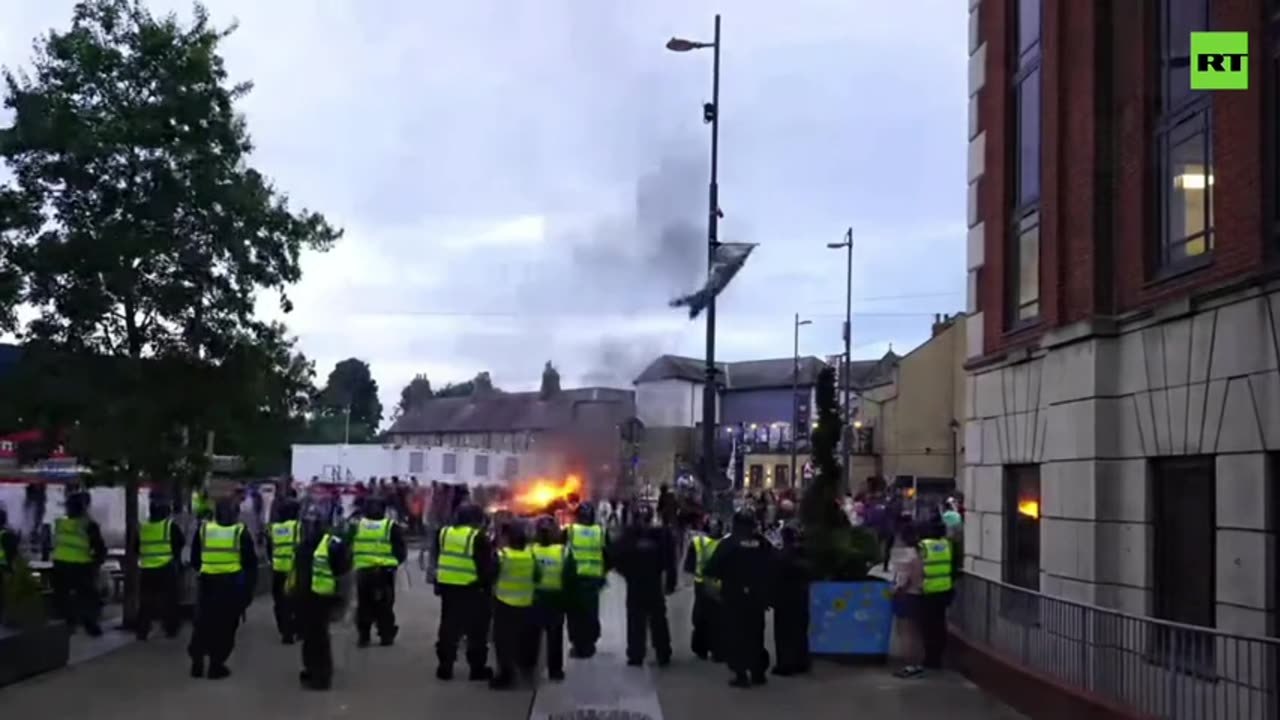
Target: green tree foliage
479 385
836 550
416 392
550 381
351 389
142 238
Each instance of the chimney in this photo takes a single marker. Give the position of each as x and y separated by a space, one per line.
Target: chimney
940 324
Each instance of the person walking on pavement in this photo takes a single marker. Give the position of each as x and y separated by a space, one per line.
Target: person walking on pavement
556 573
646 558
936 553
78 552
378 548
586 542
705 638
282 543
744 565
791 606
314 582
224 556
159 548
518 576
463 559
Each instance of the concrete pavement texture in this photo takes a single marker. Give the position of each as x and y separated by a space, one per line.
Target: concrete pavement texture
141 681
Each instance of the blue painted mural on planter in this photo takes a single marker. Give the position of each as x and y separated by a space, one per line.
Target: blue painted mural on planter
850 618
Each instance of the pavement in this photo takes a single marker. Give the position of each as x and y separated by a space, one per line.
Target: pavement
115 677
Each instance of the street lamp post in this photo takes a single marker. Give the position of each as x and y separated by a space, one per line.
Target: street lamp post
795 394
711 115
845 440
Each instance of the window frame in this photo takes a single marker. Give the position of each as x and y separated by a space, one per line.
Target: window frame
449 464
1020 607
1170 122
480 465
1023 213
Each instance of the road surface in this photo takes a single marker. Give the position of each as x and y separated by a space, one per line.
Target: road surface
141 681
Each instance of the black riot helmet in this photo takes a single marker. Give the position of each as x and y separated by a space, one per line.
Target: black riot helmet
744 523
77 504
515 534
586 514
159 508
469 514
226 512
287 510
374 508
545 530
643 516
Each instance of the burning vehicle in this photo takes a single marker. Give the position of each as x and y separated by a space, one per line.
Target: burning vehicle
535 497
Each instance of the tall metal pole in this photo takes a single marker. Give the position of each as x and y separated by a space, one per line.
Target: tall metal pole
846 434
711 466
795 390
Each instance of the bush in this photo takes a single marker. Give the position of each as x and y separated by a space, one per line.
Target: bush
23 602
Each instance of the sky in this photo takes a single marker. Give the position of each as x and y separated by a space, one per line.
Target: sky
526 180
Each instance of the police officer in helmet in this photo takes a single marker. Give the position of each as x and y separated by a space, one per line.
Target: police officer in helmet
316 586
556 575
378 547
464 558
159 547
223 554
78 552
646 558
282 544
744 565
587 544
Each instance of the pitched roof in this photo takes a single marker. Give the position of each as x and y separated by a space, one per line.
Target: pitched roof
510 412
744 375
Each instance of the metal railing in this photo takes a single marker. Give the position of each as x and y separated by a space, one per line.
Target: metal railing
1156 668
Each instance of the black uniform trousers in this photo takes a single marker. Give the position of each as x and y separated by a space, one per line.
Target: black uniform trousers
744 637
706 634
511 631
583 616
791 633
313 629
376 602
219 605
933 627
75 594
647 620
284 606
548 622
158 600
464 612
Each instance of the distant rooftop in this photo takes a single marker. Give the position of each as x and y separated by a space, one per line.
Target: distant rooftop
519 411
744 375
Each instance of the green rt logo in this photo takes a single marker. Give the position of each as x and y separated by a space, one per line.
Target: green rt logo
1219 61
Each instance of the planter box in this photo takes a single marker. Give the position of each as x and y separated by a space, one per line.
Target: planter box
851 619
28 652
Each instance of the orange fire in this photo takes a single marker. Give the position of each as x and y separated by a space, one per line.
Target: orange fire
540 492
1029 508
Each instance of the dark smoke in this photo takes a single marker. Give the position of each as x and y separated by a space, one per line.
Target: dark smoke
619 360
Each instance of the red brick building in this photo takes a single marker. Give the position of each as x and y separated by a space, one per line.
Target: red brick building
1123 424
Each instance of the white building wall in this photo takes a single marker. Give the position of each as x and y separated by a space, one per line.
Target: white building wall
1093 410
670 403
352 463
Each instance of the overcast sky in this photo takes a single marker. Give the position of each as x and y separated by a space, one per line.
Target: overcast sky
524 180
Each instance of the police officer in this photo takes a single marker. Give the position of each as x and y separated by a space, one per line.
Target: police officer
78 552
223 554
743 563
586 542
282 543
463 559
518 575
791 606
706 591
159 548
646 558
379 548
556 573
321 561
9 554
936 552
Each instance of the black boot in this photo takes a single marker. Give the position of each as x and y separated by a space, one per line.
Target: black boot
218 672
444 672
197 668
480 673
740 680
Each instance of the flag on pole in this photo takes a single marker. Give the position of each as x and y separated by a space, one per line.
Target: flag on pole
727 261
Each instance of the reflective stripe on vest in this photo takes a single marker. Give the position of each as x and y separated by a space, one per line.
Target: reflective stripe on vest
551 561
322 580
284 539
937 566
154 549
372 545
457 565
586 542
515 577
220 548
703 548
71 541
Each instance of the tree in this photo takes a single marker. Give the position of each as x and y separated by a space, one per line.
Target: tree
351 394
143 236
482 385
836 550
452 390
550 381
414 394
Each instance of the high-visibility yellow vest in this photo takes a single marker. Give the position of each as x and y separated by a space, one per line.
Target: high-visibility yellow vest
704 546
71 541
200 503
516 577
457 564
322 581
551 561
936 555
586 542
154 547
220 548
284 538
372 545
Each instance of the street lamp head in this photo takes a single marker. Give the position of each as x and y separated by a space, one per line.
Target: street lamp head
804 322
681 45
838 246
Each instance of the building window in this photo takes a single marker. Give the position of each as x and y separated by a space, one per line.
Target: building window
1184 145
782 476
755 477
449 464
1026 102
1021 541
1183 584
416 462
482 466
511 468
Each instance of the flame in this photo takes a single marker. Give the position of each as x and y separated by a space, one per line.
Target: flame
540 492
1029 508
